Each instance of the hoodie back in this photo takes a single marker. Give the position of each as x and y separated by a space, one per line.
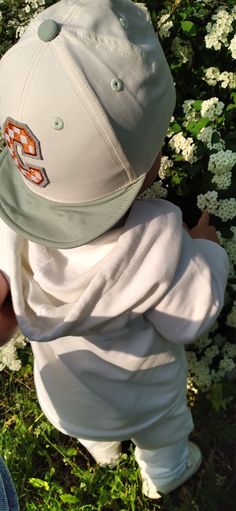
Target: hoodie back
108 320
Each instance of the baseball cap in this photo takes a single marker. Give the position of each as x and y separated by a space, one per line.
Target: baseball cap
86 96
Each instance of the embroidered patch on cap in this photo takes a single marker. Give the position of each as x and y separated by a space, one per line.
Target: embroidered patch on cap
20 139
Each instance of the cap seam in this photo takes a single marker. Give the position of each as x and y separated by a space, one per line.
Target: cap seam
118 45
97 125
78 8
27 80
72 11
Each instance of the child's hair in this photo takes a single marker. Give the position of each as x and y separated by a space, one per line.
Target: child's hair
86 99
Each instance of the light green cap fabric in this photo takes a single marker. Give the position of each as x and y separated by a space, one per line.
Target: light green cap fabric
53 223
48 30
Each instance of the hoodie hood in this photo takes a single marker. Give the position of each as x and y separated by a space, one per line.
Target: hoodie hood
100 287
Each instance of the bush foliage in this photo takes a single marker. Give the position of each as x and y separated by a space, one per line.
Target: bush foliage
197 171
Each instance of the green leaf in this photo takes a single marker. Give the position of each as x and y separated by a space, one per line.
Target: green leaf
39 483
67 498
197 105
179 157
233 96
217 398
188 28
195 127
175 127
71 451
176 180
231 106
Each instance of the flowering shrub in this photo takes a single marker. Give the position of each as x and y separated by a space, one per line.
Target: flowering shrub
8 353
199 156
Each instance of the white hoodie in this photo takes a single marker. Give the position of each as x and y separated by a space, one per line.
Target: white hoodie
108 320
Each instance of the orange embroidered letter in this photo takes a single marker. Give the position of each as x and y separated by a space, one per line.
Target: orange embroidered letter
19 136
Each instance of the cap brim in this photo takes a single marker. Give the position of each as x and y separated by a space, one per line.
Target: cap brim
57 224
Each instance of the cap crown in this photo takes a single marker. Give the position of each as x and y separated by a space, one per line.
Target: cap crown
92 96
86 97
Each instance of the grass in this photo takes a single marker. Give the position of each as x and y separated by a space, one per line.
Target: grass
53 472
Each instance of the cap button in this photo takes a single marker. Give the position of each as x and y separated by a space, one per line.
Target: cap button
48 30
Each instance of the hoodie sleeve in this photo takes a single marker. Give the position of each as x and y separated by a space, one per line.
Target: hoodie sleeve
195 296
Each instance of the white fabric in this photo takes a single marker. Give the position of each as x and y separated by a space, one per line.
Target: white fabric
104 453
117 312
159 467
164 465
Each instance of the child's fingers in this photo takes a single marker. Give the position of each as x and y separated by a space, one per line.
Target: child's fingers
204 219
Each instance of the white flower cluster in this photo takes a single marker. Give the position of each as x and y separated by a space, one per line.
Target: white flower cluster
185 146
157 190
224 208
212 76
203 342
182 50
222 162
226 366
166 164
35 4
208 200
189 112
20 31
32 7
212 108
164 26
232 47
206 134
222 181
8 353
231 318
219 29
227 79
201 373
230 246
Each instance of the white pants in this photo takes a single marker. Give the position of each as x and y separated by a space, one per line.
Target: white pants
161 465
161 458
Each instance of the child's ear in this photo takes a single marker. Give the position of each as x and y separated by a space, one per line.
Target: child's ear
152 174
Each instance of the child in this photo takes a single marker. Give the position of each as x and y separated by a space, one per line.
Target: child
107 287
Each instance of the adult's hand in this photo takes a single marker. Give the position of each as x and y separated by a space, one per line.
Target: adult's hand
8 321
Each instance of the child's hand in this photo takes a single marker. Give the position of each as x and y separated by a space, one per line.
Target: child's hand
203 230
8 321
